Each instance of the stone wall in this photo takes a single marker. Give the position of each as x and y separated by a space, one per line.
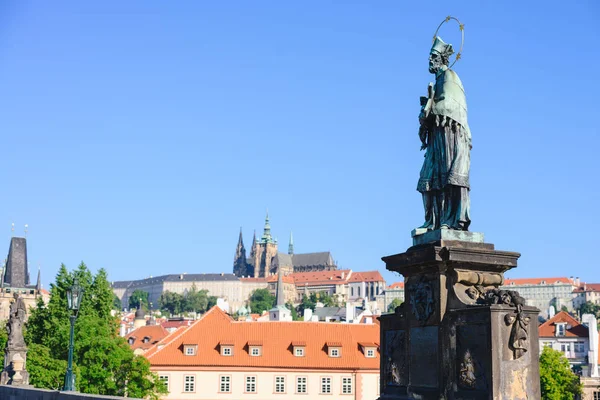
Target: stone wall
19 393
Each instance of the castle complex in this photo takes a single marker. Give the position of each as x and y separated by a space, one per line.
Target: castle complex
266 260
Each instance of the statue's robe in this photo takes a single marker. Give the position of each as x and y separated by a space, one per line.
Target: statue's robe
445 171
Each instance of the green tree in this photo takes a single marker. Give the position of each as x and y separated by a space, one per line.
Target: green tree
212 301
3 341
195 300
294 312
306 303
103 362
171 302
117 305
395 303
589 308
261 300
139 298
557 380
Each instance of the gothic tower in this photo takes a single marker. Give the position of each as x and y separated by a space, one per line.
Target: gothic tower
240 266
263 251
291 245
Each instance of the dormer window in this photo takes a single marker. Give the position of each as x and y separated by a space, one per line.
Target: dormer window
131 340
190 349
561 329
146 339
334 349
226 347
226 350
369 349
255 348
298 348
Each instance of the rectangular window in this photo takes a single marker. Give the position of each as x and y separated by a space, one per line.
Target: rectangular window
579 348
255 351
226 351
280 384
596 395
189 383
347 385
299 352
190 351
164 379
251 384
560 329
225 386
325 385
301 384
370 353
334 353
565 347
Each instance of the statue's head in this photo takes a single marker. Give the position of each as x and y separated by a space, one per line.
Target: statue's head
439 55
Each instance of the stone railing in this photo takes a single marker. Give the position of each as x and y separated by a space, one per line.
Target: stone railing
21 393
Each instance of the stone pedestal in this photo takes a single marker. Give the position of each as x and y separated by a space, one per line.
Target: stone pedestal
14 372
457 336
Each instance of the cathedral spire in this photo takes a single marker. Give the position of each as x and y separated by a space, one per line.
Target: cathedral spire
240 251
239 260
266 237
291 245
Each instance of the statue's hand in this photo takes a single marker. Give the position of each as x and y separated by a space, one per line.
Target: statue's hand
423 146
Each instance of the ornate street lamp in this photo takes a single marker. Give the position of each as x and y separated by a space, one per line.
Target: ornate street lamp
74 294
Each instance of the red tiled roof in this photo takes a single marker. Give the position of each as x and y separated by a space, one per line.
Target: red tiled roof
277 338
397 285
321 277
537 281
368 344
588 287
176 324
366 276
548 328
155 333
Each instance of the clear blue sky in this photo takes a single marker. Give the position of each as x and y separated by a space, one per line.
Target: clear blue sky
139 136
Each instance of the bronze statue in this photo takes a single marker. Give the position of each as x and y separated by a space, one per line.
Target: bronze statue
445 135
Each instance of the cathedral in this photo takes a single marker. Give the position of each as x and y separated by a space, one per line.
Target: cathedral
265 260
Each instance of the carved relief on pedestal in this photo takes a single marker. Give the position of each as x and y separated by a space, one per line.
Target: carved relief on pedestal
466 376
471 286
395 358
517 320
421 300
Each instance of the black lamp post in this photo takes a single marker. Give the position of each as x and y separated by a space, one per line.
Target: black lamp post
74 294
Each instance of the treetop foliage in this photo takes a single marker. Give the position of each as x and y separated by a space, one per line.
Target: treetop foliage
103 363
557 381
